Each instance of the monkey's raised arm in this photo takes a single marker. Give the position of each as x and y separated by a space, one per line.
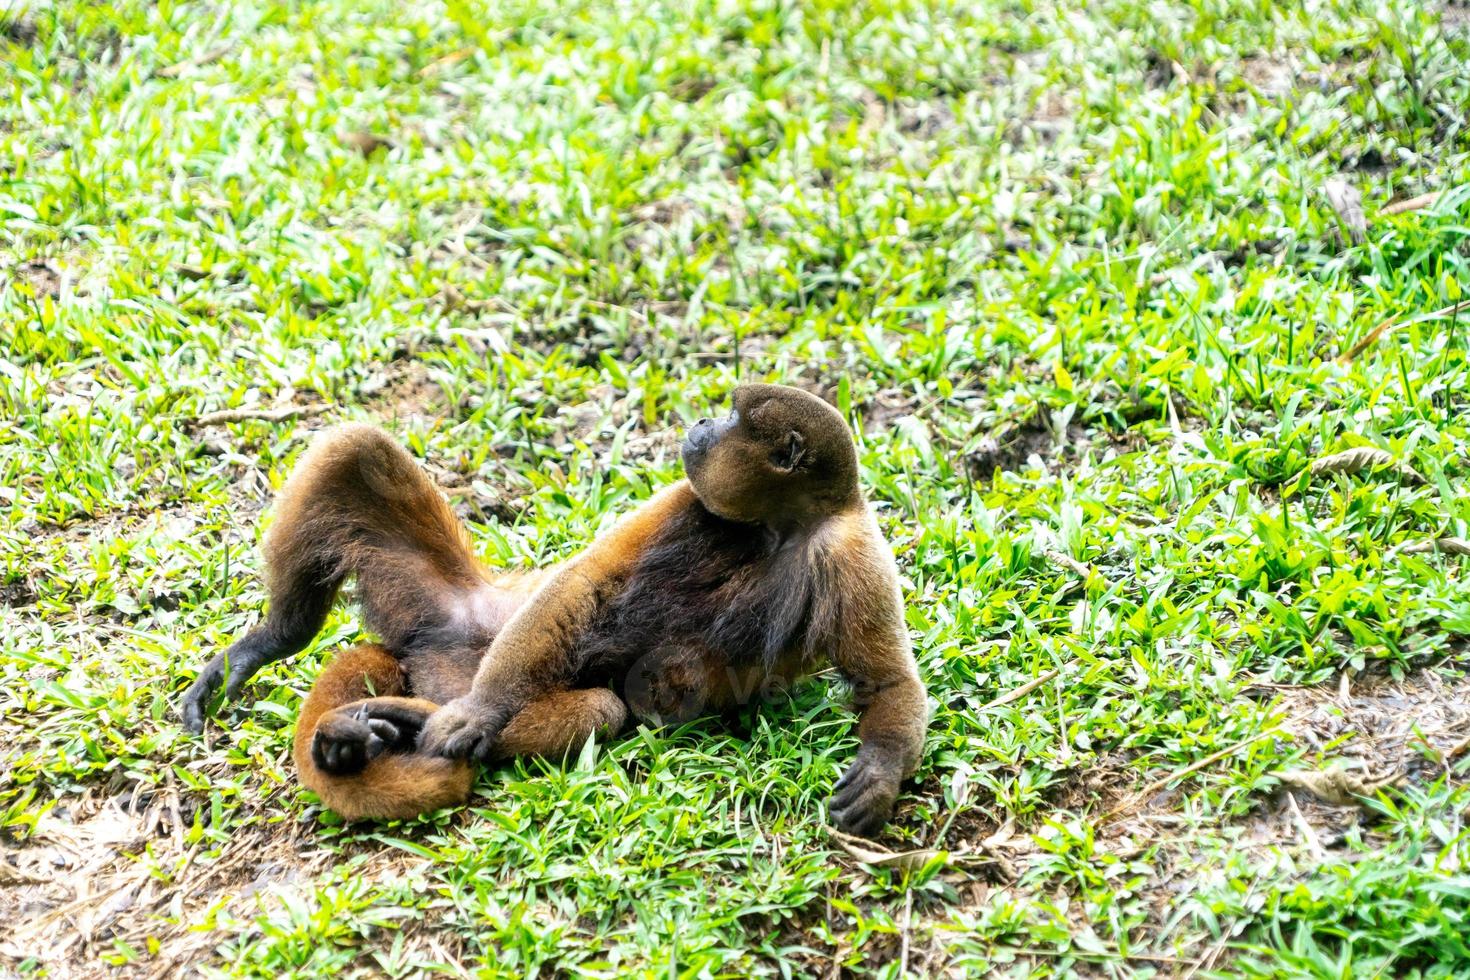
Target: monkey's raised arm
872 650
532 654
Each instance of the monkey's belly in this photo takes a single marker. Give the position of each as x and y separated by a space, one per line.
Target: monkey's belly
671 686
442 675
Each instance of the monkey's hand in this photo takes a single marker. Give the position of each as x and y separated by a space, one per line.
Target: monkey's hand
862 801
196 699
216 674
465 728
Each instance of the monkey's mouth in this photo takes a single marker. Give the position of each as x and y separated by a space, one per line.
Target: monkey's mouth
692 455
699 437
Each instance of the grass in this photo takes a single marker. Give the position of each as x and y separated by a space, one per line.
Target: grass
1071 270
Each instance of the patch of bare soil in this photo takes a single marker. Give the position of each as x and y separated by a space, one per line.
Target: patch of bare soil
478 500
1271 76
1042 439
1376 727
885 408
18 28
106 871
404 390
1377 734
1015 446
16 594
43 278
596 421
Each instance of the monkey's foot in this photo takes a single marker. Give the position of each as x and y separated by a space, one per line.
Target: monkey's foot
195 703
349 738
465 728
862 801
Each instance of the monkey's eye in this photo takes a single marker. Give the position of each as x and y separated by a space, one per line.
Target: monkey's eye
788 452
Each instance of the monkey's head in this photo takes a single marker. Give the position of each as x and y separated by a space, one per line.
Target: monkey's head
782 457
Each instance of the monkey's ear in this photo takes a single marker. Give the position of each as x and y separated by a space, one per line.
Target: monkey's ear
788 452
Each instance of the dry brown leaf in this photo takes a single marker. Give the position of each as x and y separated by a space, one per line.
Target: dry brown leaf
1335 785
439 64
1361 458
208 57
870 853
1413 203
1448 546
1002 834
1393 323
365 143
1347 201
1368 340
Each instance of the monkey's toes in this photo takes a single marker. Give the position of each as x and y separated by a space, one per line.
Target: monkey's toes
863 798
344 745
394 736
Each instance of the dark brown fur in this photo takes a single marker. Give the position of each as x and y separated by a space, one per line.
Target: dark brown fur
742 578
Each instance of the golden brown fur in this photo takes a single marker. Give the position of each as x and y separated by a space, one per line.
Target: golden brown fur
718 590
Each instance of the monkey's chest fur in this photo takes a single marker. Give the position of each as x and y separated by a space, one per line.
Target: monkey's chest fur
713 614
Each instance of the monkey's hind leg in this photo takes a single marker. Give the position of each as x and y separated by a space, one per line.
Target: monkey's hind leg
559 722
356 504
355 742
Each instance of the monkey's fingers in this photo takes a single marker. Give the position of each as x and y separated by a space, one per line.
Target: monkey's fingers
195 703
862 801
397 721
221 671
387 732
463 729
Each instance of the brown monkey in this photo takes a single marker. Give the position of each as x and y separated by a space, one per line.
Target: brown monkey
766 560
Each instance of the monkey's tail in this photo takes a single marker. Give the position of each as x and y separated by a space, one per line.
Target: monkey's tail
358 504
393 785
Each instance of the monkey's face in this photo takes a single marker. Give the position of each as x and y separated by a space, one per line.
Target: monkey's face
781 457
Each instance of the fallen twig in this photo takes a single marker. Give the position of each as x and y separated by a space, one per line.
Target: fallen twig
1099 956
1456 750
1447 546
1023 690
11 875
1189 770
439 64
212 55
1412 204
1071 564
875 854
1335 785
254 414
908 923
